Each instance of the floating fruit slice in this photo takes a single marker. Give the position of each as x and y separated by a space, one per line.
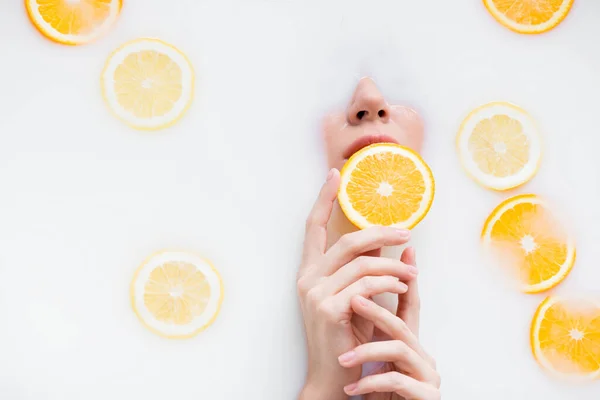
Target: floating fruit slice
565 337
528 239
73 22
499 146
148 83
386 184
529 16
176 294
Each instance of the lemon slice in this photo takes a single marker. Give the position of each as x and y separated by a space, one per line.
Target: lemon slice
529 16
73 22
527 238
176 294
565 337
386 184
499 146
148 83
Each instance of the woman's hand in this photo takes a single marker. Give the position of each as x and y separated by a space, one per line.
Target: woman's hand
328 280
408 371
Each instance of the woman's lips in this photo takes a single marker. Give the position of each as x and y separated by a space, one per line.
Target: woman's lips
365 141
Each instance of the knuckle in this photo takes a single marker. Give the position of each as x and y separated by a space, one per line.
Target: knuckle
313 296
303 286
398 381
401 348
348 242
311 220
326 310
363 265
368 283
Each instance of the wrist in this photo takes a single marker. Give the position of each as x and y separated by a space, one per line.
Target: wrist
313 390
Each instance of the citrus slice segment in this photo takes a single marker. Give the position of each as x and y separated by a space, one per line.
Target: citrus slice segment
73 22
386 184
529 241
148 84
565 337
499 146
529 16
176 294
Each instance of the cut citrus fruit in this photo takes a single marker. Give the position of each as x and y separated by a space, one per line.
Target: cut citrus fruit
386 184
565 337
499 146
73 22
176 294
527 238
529 16
148 83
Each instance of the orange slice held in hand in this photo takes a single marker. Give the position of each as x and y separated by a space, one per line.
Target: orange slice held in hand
529 16
565 337
386 184
73 22
526 237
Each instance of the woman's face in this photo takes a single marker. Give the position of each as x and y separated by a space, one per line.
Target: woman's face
369 119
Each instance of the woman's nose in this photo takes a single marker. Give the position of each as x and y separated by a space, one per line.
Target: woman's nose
367 104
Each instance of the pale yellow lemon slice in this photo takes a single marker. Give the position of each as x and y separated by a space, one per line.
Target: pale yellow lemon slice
529 16
499 146
176 294
525 236
565 337
386 184
73 22
148 84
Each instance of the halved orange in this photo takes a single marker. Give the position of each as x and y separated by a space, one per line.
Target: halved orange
565 337
528 239
529 16
386 184
73 22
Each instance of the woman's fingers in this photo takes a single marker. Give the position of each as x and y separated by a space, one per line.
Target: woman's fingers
356 243
315 239
406 359
387 322
368 286
409 304
394 382
367 266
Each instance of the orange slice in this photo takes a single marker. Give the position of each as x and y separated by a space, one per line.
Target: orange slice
527 238
176 294
499 146
565 337
148 84
73 22
386 184
529 16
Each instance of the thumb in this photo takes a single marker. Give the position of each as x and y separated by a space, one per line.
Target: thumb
409 304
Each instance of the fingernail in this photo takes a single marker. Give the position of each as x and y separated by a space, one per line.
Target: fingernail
330 174
413 270
350 388
402 287
403 233
347 357
362 301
